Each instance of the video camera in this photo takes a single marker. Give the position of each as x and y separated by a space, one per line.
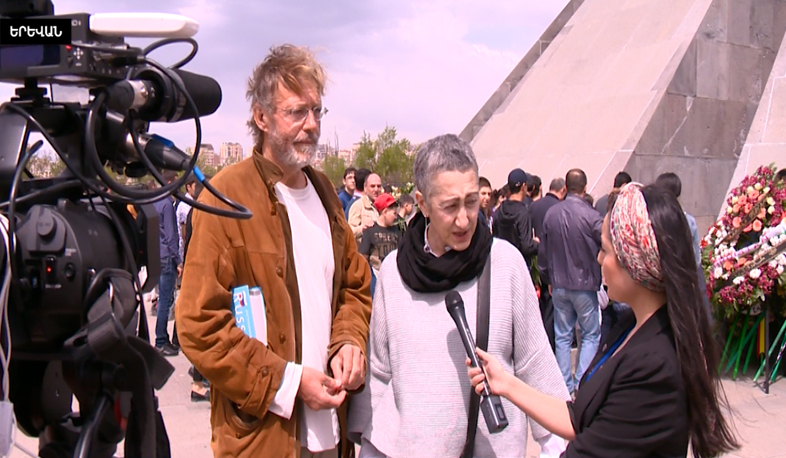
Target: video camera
72 310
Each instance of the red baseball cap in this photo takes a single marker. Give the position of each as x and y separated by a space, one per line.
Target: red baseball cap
384 201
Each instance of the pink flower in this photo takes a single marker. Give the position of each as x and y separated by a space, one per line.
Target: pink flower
736 222
757 225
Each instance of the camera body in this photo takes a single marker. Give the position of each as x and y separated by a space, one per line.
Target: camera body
79 240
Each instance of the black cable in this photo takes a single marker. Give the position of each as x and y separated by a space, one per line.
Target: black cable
93 156
242 213
168 41
129 254
29 152
54 189
88 183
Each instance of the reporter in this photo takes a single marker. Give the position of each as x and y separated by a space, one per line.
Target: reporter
652 388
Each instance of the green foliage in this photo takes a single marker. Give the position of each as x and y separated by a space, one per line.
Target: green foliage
366 157
334 166
387 156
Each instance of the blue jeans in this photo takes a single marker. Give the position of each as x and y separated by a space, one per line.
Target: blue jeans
166 296
569 307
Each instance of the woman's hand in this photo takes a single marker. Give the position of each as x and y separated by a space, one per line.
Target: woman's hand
497 377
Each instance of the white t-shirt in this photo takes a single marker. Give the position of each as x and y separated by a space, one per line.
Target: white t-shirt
314 264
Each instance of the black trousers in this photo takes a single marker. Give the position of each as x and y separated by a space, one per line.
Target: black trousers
547 311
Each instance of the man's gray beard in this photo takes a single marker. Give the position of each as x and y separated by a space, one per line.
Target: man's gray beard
292 158
289 156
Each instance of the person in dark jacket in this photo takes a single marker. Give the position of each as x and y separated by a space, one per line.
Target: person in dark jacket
620 180
200 390
653 388
347 193
512 221
171 268
571 241
537 213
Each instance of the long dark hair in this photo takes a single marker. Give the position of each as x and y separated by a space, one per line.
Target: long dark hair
698 353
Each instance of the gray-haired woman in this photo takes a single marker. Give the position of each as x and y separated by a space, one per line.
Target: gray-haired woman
417 394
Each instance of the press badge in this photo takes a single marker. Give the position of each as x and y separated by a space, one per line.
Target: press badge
248 308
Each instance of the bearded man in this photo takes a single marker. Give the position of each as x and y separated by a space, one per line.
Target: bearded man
285 395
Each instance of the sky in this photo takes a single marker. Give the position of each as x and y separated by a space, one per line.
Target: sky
424 68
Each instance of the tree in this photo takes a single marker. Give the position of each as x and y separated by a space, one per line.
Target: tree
395 165
387 156
334 166
366 157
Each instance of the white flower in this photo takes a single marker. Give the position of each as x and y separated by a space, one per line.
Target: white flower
726 276
757 186
738 280
718 272
749 190
782 260
766 189
734 200
770 201
755 273
771 210
780 270
772 264
728 210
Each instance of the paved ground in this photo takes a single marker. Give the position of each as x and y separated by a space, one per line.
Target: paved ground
760 418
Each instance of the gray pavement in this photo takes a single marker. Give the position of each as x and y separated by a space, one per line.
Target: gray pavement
760 419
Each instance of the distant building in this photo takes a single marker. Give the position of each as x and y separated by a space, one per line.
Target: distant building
207 151
230 153
348 155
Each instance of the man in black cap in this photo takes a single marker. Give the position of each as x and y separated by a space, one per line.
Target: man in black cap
512 221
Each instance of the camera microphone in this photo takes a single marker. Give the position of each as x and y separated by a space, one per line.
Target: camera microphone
490 404
156 97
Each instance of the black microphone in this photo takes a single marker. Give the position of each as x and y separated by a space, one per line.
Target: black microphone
490 405
156 98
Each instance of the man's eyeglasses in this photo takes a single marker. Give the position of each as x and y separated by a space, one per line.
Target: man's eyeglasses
300 114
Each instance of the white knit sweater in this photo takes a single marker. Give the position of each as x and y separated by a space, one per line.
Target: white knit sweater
416 398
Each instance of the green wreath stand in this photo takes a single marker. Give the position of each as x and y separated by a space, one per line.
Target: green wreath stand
743 336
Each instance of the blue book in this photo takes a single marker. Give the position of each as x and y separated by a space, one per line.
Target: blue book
248 308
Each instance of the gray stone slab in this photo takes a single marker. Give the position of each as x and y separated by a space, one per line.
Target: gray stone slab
762 30
712 69
714 26
739 22
685 78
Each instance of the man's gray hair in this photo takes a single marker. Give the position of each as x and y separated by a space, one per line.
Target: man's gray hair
446 153
557 184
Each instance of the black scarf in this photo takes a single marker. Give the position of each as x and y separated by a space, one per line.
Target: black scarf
426 273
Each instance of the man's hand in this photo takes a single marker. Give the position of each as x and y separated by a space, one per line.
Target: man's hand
349 367
180 270
318 391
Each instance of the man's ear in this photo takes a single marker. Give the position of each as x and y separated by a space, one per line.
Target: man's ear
260 119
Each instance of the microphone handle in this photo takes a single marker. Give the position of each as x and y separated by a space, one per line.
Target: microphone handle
469 343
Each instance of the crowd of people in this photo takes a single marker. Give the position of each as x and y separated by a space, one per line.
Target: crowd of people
359 353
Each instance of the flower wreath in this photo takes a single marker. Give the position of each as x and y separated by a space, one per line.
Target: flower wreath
744 253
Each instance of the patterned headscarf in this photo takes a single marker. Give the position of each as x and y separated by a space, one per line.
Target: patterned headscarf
634 239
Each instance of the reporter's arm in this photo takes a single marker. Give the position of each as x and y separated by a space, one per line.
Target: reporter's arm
549 411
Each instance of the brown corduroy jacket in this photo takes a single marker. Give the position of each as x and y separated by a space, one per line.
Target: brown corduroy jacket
225 253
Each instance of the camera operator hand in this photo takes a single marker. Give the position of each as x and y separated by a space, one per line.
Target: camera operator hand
319 391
